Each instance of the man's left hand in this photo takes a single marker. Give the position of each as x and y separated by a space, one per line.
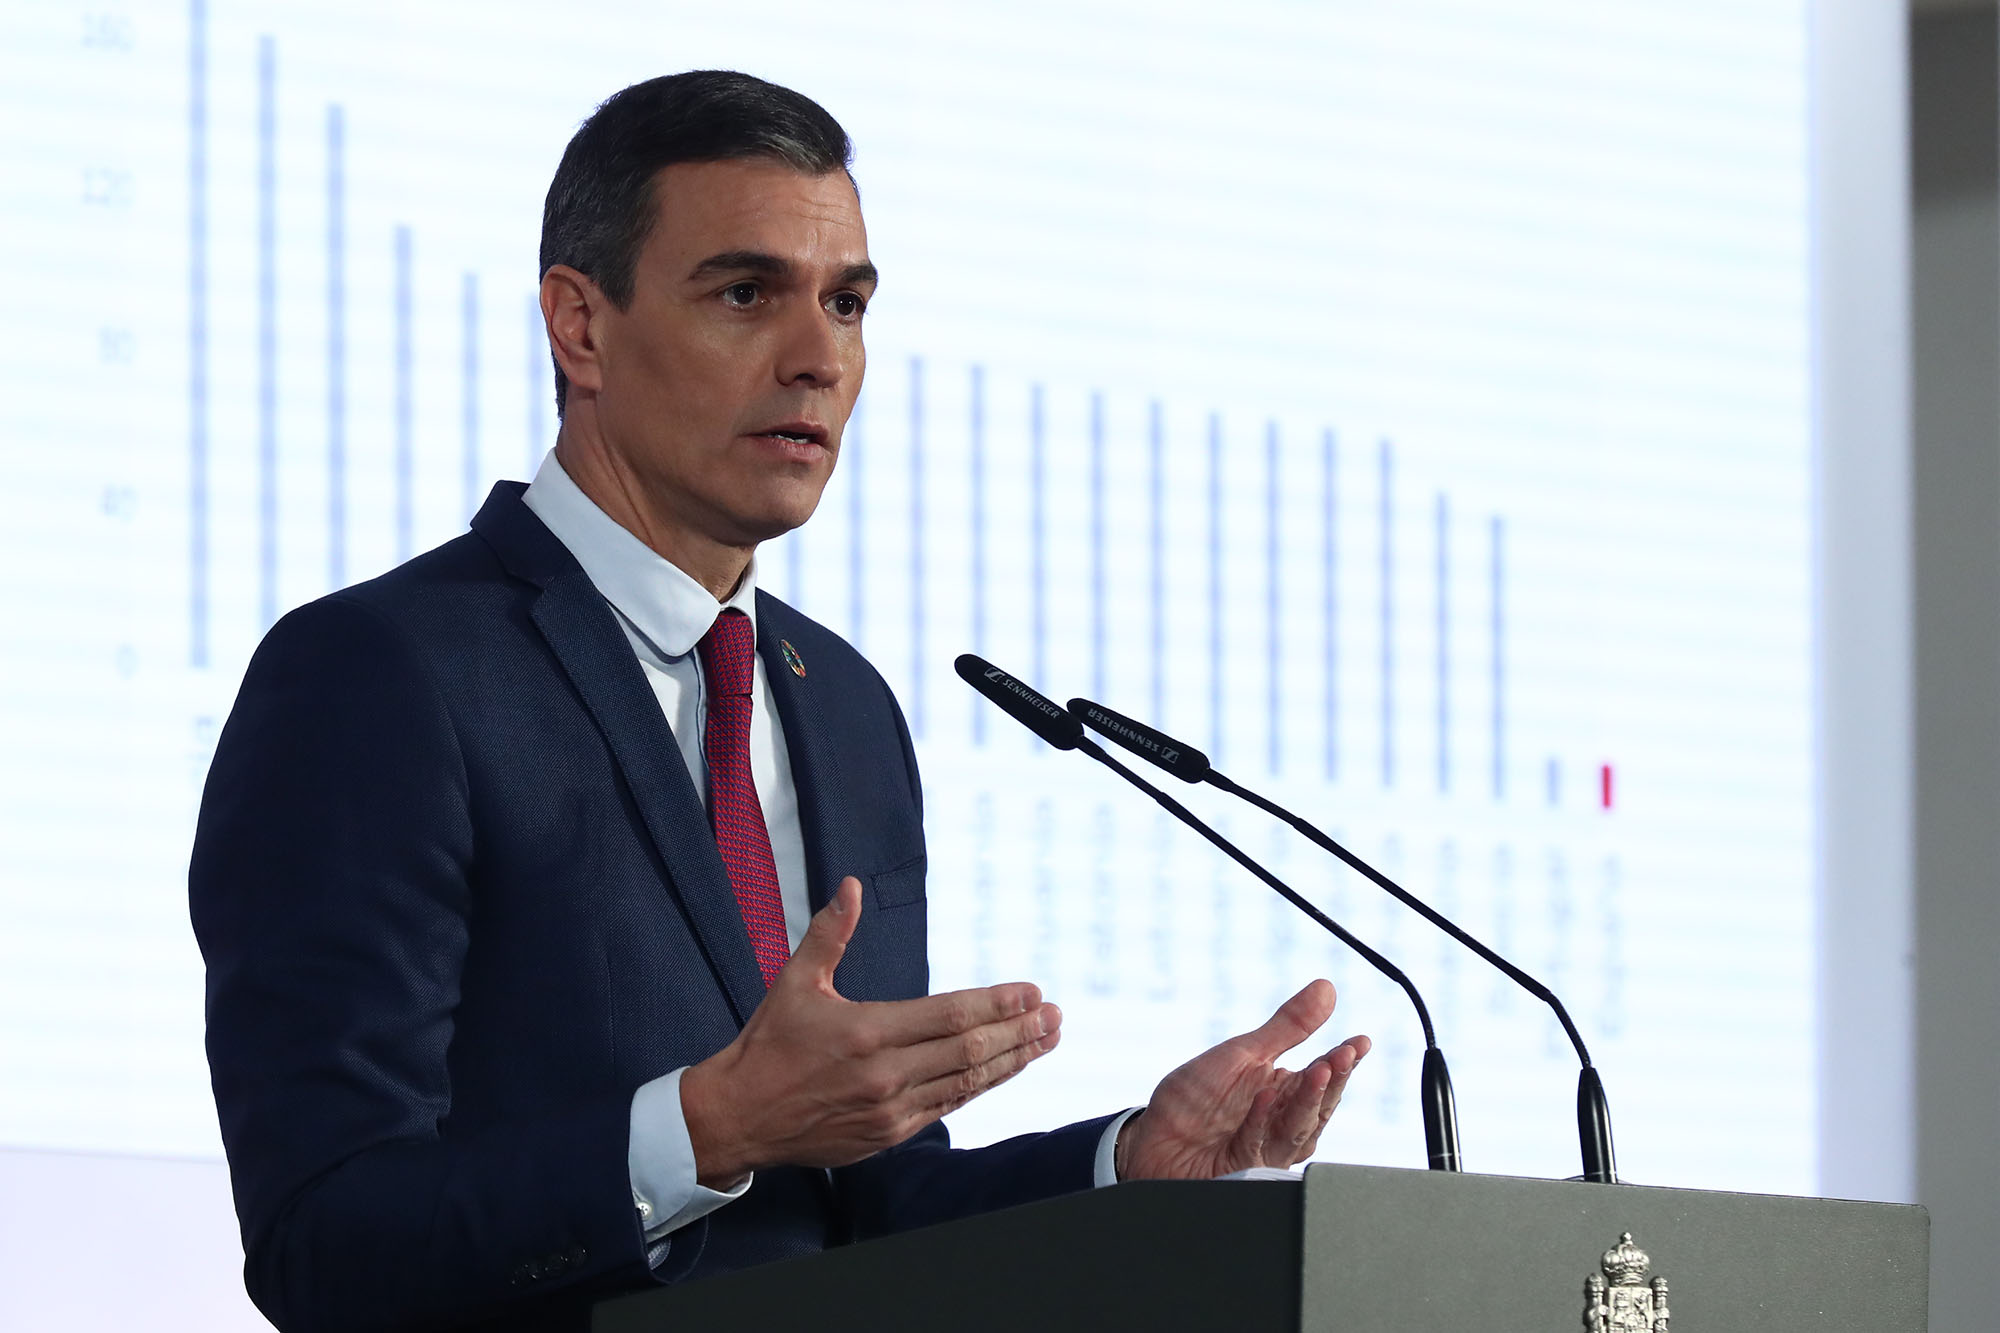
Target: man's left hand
1231 1107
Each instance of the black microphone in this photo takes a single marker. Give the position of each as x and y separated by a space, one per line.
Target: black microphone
1593 1113
1055 724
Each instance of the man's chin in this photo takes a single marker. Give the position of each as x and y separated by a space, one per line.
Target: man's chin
775 521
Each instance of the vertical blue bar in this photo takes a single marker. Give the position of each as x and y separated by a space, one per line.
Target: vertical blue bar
1443 643
537 380
197 334
1098 651
1330 600
1215 708
406 463
1273 595
336 349
857 521
1038 588
795 568
918 591
1388 621
468 389
977 467
1499 667
1554 774
267 332
1156 537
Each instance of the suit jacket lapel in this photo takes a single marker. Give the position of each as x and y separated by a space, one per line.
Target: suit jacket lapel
583 632
815 764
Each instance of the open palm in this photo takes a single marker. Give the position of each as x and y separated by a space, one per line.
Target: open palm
1231 1107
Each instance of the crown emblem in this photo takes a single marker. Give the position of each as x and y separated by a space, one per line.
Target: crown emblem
1625 1264
1620 1299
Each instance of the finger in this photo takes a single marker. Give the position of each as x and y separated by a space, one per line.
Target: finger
943 1095
1296 1019
1296 1121
826 937
1246 1145
909 1022
1342 1060
946 1055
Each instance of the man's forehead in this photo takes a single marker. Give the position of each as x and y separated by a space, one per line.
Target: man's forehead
703 208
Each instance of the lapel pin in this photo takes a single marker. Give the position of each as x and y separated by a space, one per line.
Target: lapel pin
792 658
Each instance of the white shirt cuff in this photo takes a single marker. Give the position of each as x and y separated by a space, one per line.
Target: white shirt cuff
1106 1170
660 1160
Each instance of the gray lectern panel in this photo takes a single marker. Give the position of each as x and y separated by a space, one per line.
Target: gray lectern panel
1195 1256
1389 1251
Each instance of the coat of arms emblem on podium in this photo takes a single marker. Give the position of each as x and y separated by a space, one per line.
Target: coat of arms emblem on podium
1620 1299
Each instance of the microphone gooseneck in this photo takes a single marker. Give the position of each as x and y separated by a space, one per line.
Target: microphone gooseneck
1060 728
1188 764
1593 1126
1440 1113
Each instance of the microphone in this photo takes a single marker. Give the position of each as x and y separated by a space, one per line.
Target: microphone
1057 726
1593 1113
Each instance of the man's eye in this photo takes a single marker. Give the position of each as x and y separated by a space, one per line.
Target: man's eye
740 294
846 305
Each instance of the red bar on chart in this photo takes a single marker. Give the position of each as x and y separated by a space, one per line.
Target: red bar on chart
1604 784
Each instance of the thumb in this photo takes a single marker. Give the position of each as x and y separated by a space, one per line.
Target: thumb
1296 1019
825 940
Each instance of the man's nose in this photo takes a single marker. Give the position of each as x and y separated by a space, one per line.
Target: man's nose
810 351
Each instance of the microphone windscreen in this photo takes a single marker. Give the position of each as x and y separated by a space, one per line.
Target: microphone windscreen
1183 761
1037 712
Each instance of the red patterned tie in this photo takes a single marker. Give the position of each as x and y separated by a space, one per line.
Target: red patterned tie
728 657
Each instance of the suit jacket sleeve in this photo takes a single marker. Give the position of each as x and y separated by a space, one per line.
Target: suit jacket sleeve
330 892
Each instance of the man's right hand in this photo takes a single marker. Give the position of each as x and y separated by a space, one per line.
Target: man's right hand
816 1080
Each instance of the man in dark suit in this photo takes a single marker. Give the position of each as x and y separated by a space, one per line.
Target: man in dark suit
562 895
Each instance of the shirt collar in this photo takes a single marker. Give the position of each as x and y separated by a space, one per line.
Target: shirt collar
660 601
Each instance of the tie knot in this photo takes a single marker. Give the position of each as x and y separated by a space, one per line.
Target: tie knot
728 653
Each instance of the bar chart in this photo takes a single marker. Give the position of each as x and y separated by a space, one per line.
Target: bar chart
1503 581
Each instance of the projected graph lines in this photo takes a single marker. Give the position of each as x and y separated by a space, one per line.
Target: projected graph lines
1156 544
919 590
270 437
406 397
1224 618
1443 599
976 467
198 553
1496 528
538 380
1274 655
267 332
1038 536
468 393
1387 569
1099 650
857 529
336 348
1215 557
1329 560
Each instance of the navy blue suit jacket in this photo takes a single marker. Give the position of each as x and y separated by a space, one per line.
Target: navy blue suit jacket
458 899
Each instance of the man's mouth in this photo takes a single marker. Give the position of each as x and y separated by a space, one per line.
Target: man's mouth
796 432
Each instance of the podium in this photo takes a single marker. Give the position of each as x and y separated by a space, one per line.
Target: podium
1348 1249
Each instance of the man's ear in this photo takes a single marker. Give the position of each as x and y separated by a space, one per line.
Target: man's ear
571 303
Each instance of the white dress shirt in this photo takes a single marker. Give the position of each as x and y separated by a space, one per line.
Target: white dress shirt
664 614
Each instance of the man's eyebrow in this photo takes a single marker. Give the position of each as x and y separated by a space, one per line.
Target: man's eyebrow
741 261
771 266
